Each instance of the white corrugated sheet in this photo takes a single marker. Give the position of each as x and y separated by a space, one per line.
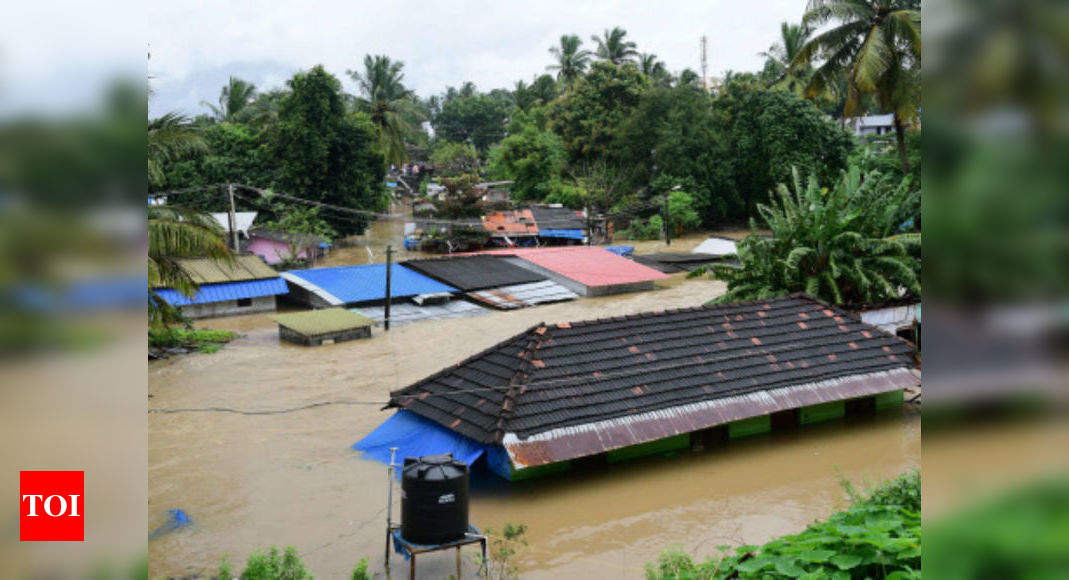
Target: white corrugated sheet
716 247
524 295
405 313
313 288
243 220
891 319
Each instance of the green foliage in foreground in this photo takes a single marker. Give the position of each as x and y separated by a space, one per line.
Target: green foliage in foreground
878 536
840 245
205 340
269 565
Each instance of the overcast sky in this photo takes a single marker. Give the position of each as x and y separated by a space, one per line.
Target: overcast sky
196 46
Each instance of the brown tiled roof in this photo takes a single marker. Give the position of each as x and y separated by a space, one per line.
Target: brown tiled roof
574 374
512 222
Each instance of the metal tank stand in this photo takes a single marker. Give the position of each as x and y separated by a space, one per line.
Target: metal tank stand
409 549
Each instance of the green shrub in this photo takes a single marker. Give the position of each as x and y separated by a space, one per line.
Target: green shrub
205 340
269 565
360 572
878 536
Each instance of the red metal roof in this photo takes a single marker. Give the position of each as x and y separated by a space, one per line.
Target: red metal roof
519 222
588 265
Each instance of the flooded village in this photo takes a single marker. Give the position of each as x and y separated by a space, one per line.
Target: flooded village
626 317
254 443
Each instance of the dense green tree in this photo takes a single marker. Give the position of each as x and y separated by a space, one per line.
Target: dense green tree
532 156
452 159
326 153
571 59
840 246
235 154
467 116
654 68
876 46
385 99
614 47
233 100
768 132
588 116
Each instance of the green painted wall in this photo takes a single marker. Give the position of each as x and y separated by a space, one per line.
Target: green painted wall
649 448
821 412
889 400
751 426
539 470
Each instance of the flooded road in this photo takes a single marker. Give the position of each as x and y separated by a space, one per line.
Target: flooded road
290 478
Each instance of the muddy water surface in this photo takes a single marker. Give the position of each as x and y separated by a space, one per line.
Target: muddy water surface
290 478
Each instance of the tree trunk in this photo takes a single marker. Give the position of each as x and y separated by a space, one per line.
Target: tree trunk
900 137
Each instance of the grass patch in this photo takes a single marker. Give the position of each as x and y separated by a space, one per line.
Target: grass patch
204 340
877 536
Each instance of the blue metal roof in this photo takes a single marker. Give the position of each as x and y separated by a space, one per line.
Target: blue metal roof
226 291
573 234
367 283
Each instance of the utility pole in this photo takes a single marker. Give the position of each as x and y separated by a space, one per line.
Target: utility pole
667 225
233 218
389 258
705 77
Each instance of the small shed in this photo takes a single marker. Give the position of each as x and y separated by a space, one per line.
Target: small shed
276 246
314 327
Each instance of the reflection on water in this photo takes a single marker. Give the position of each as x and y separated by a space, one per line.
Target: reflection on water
249 481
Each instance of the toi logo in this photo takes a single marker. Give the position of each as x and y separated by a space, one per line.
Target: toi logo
51 506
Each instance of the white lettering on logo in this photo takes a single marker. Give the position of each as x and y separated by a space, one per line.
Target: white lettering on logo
48 503
447 498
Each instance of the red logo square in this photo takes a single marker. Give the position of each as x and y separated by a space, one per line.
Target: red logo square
52 506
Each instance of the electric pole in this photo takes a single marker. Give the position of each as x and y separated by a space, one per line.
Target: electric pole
667 225
389 258
233 218
705 78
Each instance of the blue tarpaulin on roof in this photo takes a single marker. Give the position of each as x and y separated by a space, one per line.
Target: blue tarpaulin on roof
226 291
621 250
572 234
366 283
415 436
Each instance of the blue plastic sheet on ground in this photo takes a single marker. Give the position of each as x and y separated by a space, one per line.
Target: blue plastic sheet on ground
176 519
621 250
415 436
401 545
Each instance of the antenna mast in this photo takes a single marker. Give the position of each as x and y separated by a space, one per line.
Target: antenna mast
705 63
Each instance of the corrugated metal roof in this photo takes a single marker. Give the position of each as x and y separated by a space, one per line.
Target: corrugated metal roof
467 273
588 265
405 313
209 271
670 263
564 376
315 322
511 223
557 233
524 295
226 291
556 218
716 246
352 284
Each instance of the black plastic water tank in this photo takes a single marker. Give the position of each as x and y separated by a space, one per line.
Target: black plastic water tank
434 499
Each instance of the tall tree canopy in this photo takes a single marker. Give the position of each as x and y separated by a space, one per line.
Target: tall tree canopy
387 102
571 59
326 153
876 46
467 116
781 54
614 47
588 116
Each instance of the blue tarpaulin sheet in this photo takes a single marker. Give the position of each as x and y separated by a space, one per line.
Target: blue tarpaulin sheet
621 250
226 291
572 234
367 283
415 436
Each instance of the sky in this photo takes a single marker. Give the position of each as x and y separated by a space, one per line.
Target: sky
196 46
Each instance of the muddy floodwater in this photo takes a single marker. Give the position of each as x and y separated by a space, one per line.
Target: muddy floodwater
290 478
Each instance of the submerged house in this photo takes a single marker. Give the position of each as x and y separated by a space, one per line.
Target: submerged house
585 270
559 225
493 280
353 285
276 246
245 286
558 395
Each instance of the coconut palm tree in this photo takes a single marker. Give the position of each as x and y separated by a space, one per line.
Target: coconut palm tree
613 47
876 45
652 67
233 98
170 138
385 98
175 233
572 60
779 56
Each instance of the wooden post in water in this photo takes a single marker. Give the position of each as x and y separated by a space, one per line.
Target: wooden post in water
389 257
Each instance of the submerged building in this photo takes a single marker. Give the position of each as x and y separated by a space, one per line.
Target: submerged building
243 286
616 388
